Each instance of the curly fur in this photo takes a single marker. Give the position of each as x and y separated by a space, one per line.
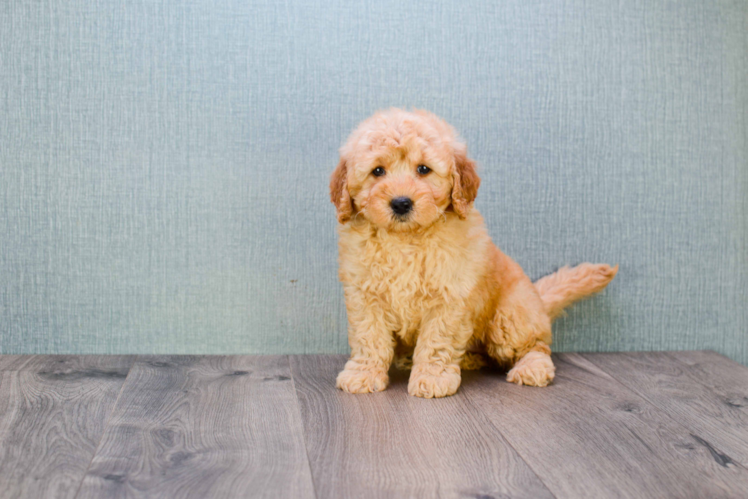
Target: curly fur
430 286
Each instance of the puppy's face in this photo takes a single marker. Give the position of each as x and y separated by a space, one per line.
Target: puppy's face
402 171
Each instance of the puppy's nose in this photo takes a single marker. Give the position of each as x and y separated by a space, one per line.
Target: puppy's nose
401 205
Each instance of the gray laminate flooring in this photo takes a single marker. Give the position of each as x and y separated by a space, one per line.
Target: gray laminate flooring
667 424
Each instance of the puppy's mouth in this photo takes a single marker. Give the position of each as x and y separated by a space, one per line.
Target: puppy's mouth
401 218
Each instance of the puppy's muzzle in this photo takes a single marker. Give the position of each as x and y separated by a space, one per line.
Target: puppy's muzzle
401 205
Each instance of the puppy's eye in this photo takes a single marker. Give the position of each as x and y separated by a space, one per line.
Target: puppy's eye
378 172
423 169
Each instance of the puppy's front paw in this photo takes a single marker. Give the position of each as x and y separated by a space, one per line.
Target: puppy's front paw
535 368
434 381
362 381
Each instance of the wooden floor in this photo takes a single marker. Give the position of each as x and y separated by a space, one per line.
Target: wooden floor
612 425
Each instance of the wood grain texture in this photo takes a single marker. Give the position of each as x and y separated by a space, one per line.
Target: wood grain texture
390 444
53 411
706 392
589 436
203 426
612 425
15 362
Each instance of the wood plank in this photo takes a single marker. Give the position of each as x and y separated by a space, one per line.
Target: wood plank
203 426
14 362
706 392
719 373
53 410
589 436
390 444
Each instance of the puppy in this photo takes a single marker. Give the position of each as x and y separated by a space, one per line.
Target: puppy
422 278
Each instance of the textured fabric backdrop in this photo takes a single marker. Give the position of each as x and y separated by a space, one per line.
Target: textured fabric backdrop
165 163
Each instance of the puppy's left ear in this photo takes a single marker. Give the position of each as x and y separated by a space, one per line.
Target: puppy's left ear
339 192
465 182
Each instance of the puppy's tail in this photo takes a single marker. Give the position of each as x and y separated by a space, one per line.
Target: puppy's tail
568 285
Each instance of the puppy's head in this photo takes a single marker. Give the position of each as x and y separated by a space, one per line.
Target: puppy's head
402 170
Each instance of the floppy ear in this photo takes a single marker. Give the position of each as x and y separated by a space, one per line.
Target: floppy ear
465 182
339 192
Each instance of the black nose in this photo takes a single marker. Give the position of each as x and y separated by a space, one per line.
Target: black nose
402 205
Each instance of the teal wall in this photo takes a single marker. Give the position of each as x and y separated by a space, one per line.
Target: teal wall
164 164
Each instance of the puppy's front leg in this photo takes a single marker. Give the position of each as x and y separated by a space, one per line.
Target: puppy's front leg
372 346
436 361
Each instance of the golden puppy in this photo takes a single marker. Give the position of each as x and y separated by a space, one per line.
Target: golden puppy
421 275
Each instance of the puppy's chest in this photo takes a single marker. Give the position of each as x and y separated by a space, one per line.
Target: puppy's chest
408 279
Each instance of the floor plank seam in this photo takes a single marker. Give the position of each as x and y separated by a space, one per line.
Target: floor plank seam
693 433
489 422
106 426
303 429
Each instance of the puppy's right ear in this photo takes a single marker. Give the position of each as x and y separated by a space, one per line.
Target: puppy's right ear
339 192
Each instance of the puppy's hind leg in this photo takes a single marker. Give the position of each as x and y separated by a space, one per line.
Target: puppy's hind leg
472 361
534 368
530 364
403 356
518 338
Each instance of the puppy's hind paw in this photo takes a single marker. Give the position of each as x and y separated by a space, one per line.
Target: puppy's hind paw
362 381
472 361
404 363
535 369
